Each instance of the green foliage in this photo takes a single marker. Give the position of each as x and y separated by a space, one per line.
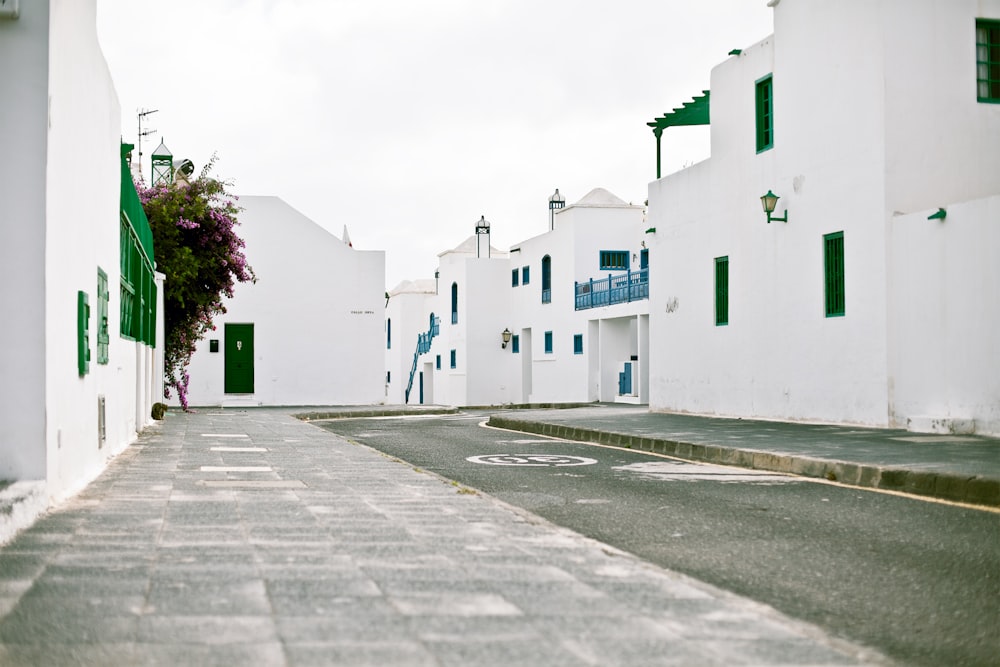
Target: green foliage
199 251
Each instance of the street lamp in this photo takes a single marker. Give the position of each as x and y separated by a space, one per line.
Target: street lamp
505 335
769 201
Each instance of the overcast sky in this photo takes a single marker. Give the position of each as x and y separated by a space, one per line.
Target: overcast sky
407 120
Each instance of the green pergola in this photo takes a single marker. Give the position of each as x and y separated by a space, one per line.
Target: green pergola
694 112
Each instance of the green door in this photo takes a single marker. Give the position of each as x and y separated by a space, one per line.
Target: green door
239 359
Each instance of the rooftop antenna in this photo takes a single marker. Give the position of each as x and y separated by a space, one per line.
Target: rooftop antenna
142 114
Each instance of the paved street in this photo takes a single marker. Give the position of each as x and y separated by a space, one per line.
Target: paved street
251 538
917 579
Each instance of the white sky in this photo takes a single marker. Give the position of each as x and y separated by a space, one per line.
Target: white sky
406 120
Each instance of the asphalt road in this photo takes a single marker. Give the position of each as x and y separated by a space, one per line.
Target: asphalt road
917 580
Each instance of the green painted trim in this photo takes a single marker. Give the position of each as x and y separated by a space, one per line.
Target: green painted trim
82 333
722 291
695 112
835 299
764 113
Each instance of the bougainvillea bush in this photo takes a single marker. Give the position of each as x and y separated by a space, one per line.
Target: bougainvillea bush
199 251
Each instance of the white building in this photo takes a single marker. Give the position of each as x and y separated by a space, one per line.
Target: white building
77 351
308 332
873 298
570 302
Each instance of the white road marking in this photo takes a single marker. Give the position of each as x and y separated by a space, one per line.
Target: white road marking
236 469
239 449
224 435
538 460
699 472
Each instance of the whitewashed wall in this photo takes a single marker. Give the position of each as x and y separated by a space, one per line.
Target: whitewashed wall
318 310
945 315
23 163
845 158
410 305
60 207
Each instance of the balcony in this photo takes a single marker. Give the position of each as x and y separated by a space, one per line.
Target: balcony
621 288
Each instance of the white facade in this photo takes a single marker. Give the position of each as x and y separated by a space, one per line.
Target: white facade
876 126
60 212
557 354
316 312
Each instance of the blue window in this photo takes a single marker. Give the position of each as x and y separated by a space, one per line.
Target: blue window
454 304
578 344
513 278
525 275
546 279
388 334
548 342
437 362
388 377
614 260
644 259
454 362
515 342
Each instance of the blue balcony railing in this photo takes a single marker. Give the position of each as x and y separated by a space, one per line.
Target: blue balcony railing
620 288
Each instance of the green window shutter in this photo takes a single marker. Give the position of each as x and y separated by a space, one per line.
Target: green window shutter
833 267
988 61
721 291
765 113
103 297
82 333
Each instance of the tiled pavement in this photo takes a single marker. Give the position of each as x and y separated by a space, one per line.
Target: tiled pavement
252 538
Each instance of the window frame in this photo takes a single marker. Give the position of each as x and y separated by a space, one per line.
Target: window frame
515 344
454 303
514 276
988 61
722 291
525 275
548 342
454 359
577 343
547 279
834 275
764 113
614 260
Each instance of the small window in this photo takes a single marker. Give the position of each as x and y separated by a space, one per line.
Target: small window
578 344
454 303
437 362
514 278
454 360
614 260
546 279
515 344
988 61
103 329
765 113
644 259
388 334
525 275
388 377
721 291
548 342
833 267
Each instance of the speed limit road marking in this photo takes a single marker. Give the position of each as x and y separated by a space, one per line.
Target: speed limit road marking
537 460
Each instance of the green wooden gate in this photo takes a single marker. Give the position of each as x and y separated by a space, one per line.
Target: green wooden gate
239 359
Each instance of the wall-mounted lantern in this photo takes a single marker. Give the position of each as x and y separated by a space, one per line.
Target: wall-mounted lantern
769 201
505 336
